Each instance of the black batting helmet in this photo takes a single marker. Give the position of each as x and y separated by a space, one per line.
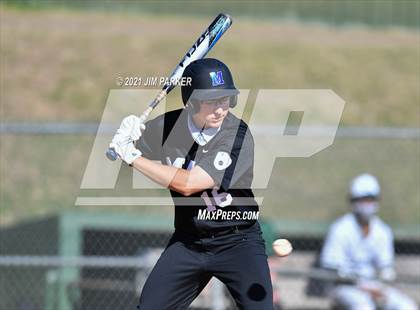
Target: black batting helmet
210 79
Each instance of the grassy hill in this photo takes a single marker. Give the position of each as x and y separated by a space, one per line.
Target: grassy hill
60 65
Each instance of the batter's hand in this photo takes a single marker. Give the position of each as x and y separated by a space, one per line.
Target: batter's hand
131 126
129 131
126 151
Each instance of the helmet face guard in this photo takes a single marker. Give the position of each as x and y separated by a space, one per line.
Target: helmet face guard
210 79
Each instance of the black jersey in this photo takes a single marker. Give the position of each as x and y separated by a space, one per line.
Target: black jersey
228 158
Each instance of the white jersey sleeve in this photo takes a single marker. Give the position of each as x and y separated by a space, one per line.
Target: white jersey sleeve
384 251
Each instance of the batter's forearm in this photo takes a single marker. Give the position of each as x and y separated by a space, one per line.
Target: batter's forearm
161 174
179 180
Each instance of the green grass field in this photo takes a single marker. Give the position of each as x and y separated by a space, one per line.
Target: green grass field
59 65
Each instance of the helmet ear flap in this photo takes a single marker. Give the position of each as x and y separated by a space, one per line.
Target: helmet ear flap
233 101
193 106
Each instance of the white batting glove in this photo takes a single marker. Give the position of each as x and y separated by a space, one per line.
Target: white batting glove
127 152
129 131
131 127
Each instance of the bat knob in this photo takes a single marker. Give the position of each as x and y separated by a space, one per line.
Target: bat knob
111 154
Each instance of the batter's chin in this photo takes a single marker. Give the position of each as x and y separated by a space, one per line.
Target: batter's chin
215 124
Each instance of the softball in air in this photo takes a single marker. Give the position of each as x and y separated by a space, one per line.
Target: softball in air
282 247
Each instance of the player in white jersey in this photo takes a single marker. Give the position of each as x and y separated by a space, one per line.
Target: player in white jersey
359 246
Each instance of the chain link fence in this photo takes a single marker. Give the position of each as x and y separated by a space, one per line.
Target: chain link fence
114 266
57 256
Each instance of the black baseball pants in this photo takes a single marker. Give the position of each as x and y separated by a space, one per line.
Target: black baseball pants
238 259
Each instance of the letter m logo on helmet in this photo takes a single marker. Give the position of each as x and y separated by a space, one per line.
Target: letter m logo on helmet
210 79
216 78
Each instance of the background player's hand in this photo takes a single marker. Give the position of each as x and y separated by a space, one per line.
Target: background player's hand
373 287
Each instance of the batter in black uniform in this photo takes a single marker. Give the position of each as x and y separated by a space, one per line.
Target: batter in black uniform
206 157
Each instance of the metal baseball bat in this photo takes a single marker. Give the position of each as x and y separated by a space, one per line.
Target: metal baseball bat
199 49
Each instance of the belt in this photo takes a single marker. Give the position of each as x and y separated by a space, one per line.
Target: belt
233 229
